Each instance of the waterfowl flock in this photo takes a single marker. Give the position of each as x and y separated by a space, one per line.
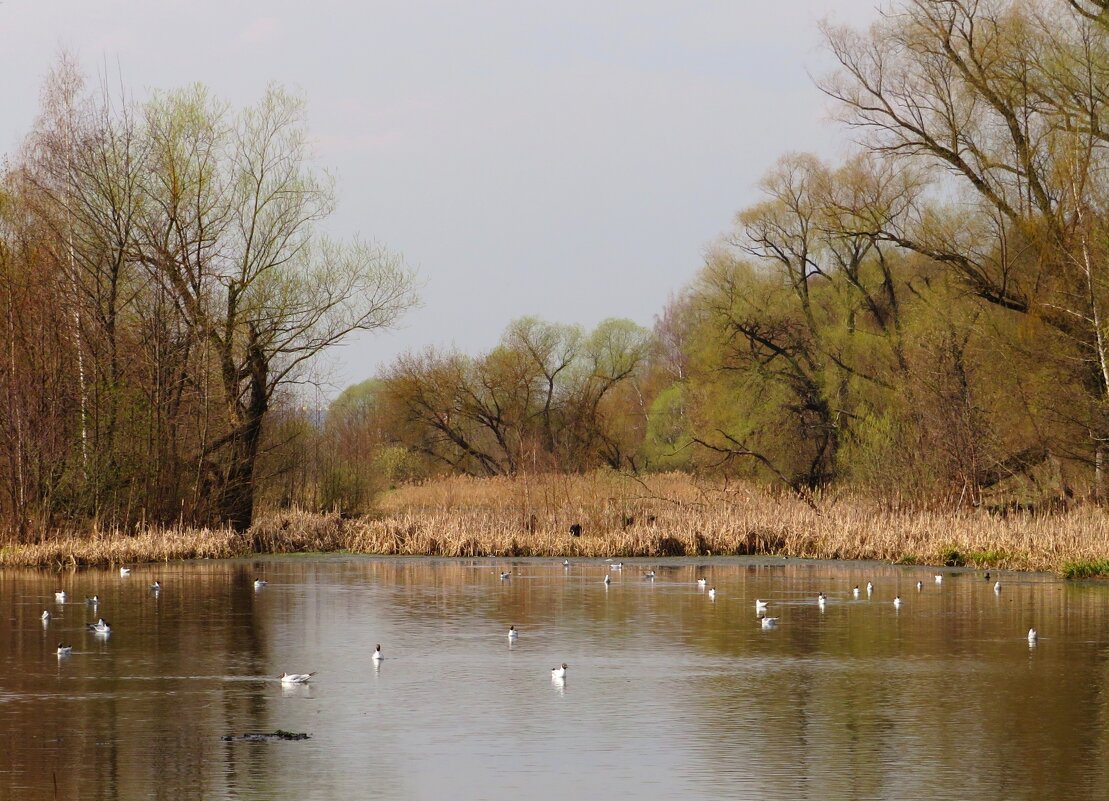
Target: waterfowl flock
103 628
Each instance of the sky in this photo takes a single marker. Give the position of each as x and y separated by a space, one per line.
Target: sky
568 160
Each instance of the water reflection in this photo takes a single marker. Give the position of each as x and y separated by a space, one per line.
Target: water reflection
672 693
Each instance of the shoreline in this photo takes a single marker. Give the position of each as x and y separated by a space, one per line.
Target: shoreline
660 516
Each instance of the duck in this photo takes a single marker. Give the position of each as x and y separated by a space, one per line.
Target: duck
45 616
712 593
869 587
125 571
559 672
608 580
377 656
939 578
64 650
760 605
60 596
616 566
565 562
1033 635
768 622
997 587
897 602
260 583
101 626
512 633
650 574
919 586
855 591
93 601
702 583
505 575
295 678
987 575
156 586
821 599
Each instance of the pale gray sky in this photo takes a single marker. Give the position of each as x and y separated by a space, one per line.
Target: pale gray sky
570 160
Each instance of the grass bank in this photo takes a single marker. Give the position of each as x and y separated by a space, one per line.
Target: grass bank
662 515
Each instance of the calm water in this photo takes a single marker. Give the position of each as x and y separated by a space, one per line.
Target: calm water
668 693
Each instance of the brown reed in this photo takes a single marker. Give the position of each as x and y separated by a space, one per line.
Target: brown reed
621 516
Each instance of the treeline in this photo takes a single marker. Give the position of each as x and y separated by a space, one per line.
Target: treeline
926 319
163 288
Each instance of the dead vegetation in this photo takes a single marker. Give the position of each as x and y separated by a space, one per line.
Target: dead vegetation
619 516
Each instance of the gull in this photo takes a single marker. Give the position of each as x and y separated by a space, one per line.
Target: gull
45 616
760 605
64 650
939 578
1032 636
60 596
512 634
768 622
559 672
997 587
295 678
100 627
378 656
260 583
855 591
897 602
125 571
712 594
702 582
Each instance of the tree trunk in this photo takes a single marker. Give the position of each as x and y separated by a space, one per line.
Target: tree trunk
236 500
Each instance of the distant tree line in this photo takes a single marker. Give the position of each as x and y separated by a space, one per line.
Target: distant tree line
926 319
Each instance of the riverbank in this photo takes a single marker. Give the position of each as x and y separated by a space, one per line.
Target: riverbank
619 516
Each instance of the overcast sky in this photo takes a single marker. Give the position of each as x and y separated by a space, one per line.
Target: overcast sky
570 160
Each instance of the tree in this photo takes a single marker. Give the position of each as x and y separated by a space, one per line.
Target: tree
1006 98
229 230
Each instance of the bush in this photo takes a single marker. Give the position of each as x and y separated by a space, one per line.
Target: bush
347 489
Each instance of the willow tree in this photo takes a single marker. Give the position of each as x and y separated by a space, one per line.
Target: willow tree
229 228
1005 104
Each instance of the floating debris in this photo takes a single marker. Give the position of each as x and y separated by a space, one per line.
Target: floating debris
266 737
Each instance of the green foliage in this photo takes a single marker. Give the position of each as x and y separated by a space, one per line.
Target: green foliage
668 444
348 489
1085 569
395 464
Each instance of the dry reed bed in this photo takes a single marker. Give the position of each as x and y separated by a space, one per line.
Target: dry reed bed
672 515
289 532
665 515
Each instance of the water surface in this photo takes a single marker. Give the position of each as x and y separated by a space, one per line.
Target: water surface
668 693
